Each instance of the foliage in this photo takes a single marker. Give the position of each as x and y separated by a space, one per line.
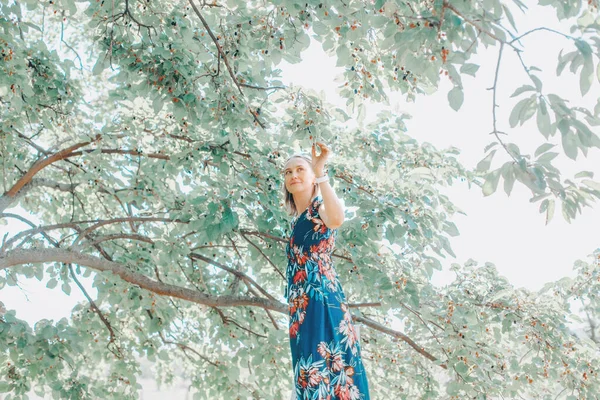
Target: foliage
149 138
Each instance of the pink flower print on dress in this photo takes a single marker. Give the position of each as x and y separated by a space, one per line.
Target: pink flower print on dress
346 328
326 270
338 363
314 377
354 393
342 392
301 316
323 350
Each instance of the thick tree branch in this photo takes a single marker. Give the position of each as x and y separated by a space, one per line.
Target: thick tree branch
39 165
119 151
115 236
262 88
20 256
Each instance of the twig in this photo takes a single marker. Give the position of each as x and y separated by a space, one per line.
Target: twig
94 307
494 105
184 347
219 48
476 25
265 256
62 30
375 325
541 29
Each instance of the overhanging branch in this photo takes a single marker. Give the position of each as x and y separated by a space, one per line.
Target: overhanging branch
20 256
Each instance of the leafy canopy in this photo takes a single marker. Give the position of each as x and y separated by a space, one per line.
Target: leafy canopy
148 137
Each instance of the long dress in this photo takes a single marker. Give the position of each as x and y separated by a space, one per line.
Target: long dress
326 355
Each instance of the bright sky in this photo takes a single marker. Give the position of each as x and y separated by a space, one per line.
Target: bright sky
507 231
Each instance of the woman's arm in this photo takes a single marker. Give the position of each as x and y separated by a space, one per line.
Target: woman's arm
332 210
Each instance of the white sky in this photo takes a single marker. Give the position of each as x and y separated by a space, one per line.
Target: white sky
507 231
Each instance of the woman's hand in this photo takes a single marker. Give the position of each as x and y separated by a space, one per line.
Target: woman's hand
318 162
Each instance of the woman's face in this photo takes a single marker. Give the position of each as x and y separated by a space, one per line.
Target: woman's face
298 175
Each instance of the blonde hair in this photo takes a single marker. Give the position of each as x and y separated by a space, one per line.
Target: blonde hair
288 199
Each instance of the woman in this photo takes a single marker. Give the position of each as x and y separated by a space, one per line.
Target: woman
326 356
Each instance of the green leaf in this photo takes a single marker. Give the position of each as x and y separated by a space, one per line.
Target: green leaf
509 16
587 75
591 184
584 174
583 47
453 388
451 229
546 157
484 164
456 98
489 146
523 89
343 55
520 111
66 288
550 210
51 284
543 205
491 182
100 65
543 120
461 367
569 143
536 81
564 126
544 148
508 174
320 29
157 103
469 69
564 60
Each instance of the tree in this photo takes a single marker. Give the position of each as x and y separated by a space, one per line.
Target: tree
155 164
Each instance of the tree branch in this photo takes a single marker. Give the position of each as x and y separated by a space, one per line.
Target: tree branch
222 54
219 48
184 347
19 257
39 165
265 256
94 307
375 325
243 276
476 25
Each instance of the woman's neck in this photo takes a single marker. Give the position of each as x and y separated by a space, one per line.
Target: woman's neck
302 201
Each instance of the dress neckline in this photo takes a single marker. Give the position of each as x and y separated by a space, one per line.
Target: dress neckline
309 205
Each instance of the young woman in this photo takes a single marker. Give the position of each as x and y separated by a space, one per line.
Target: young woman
325 345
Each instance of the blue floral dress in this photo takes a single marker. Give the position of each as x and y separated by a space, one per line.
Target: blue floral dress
325 348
